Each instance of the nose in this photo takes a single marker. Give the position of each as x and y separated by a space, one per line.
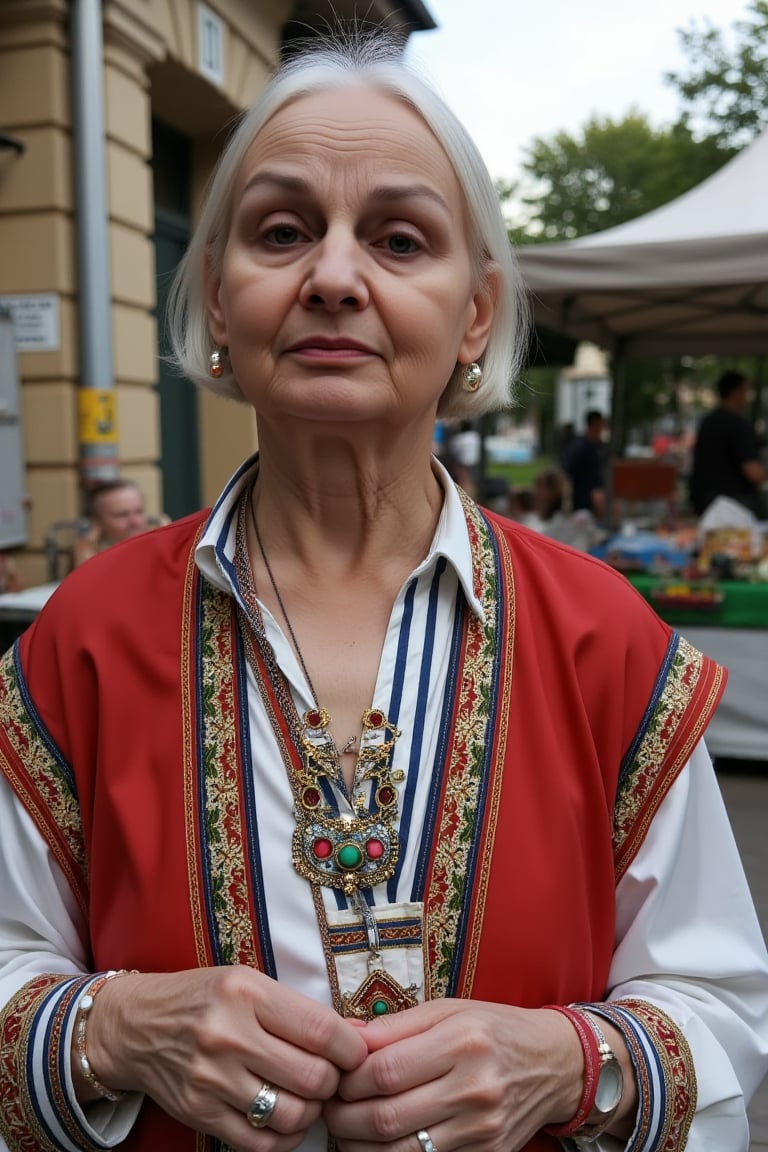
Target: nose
335 279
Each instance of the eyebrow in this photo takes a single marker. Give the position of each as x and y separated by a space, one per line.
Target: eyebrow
381 192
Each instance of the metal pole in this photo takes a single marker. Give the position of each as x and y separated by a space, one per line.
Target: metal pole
98 424
618 431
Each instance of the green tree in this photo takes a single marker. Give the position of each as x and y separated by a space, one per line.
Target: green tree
724 90
611 172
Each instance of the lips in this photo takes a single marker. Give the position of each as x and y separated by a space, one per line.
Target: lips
331 344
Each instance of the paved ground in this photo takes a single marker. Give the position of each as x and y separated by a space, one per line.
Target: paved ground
746 797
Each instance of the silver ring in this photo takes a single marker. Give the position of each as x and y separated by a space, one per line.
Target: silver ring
424 1139
263 1105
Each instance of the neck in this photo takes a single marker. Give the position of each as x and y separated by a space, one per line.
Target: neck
335 504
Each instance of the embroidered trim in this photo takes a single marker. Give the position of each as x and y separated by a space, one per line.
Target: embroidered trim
633 1035
231 917
188 672
456 841
392 934
504 638
40 777
675 1064
669 733
59 1058
22 1124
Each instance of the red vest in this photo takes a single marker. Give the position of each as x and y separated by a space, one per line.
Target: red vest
574 709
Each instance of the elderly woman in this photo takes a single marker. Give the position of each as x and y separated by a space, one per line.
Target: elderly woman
348 811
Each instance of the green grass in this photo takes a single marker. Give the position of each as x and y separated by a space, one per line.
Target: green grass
519 475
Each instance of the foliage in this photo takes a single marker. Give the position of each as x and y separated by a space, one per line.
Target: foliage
724 91
519 475
611 172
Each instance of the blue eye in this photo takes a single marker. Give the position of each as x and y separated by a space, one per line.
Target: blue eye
402 245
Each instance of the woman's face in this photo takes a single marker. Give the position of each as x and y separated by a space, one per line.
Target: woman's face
346 291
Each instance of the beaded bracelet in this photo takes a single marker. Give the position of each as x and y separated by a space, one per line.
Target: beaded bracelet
591 1053
84 1006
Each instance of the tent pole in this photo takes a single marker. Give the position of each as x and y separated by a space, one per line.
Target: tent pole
759 382
617 429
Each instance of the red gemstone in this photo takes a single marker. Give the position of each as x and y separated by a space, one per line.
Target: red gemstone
374 848
311 797
314 718
386 795
322 848
375 719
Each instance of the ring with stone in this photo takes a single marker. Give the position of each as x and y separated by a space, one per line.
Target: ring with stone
424 1139
262 1106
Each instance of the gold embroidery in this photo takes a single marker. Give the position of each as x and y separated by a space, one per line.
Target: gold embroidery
355 938
19 1126
493 800
652 771
223 817
456 831
188 673
41 784
677 1067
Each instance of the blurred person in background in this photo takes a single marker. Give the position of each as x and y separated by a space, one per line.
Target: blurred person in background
583 462
727 452
115 512
556 519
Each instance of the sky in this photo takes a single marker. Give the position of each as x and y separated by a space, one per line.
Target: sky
513 70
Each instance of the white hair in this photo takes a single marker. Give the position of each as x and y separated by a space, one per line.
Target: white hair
373 61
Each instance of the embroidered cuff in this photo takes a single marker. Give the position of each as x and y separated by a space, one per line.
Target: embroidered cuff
664 1070
38 1108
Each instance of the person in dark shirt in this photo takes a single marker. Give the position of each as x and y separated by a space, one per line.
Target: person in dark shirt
726 455
584 465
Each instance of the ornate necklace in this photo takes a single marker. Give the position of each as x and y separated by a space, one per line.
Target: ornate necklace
350 850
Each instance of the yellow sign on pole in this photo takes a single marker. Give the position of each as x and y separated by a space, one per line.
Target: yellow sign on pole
98 416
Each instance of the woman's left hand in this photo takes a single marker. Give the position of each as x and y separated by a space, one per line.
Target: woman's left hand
475 1075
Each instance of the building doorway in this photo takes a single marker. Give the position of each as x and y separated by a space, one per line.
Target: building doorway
179 424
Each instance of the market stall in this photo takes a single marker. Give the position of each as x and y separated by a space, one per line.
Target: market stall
731 627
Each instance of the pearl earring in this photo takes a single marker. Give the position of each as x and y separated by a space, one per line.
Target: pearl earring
216 363
472 377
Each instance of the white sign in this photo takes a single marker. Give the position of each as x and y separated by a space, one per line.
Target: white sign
210 45
35 321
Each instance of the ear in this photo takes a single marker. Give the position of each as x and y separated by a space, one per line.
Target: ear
481 313
217 325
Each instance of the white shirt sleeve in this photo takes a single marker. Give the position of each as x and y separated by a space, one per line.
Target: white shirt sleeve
687 939
42 931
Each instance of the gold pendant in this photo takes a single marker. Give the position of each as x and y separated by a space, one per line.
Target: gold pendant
350 850
378 995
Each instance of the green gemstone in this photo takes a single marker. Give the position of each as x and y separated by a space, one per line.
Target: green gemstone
350 857
380 1008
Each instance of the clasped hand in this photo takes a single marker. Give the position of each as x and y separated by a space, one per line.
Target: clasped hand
202 1043
478 1076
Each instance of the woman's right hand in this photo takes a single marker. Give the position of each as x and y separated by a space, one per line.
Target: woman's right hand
201 1043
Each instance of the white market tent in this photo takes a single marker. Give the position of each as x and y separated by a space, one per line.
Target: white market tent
689 278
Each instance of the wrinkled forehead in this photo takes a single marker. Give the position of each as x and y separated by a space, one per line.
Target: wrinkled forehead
353 128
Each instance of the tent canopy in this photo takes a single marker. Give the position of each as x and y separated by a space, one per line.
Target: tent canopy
689 278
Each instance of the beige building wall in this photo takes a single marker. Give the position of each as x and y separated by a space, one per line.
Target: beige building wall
151 67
